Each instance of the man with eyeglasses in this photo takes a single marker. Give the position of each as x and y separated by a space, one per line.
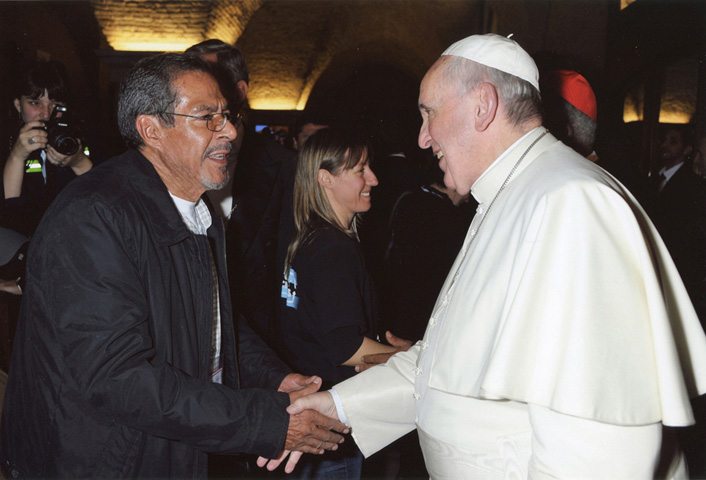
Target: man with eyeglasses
125 361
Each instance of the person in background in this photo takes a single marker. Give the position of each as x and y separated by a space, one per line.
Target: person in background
229 69
34 170
305 126
570 110
427 228
125 361
677 206
398 169
563 341
256 206
327 313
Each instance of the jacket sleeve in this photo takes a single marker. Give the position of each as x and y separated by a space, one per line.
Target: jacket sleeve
90 293
260 367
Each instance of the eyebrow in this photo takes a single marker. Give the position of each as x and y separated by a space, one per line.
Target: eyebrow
206 107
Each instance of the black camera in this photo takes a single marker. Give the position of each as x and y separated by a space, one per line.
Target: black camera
62 137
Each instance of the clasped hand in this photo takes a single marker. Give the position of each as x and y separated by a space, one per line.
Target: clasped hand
312 425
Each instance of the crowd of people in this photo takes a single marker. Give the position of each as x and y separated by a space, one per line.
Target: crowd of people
490 303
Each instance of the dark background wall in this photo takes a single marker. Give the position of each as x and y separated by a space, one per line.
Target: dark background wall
365 58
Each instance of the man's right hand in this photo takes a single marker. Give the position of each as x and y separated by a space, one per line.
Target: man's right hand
312 432
311 425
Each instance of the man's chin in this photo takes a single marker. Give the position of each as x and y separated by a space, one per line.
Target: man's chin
217 183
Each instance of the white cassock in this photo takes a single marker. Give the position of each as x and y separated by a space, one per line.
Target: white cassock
561 343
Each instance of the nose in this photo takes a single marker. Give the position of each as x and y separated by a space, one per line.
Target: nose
46 111
229 132
424 139
371 179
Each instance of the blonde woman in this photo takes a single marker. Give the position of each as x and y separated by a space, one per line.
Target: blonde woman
327 310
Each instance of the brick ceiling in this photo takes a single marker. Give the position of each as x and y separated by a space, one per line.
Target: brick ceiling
289 44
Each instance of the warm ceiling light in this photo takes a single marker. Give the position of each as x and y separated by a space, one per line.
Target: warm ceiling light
149 46
674 117
269 103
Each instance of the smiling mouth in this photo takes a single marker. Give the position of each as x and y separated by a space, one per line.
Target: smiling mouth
219 153
366 194
221 157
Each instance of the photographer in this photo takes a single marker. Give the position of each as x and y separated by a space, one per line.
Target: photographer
46 153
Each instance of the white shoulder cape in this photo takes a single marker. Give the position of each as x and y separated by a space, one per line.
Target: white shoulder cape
569 299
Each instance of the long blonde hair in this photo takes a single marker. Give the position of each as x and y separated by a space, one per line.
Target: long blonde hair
333 150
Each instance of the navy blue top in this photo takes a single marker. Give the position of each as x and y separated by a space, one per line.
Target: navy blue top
327 306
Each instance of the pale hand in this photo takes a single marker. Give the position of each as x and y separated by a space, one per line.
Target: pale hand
32 137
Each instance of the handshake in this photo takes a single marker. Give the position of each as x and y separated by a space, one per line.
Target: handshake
313 416
313 422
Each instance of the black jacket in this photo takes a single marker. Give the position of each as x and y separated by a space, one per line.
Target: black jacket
679 213
260 228
110 373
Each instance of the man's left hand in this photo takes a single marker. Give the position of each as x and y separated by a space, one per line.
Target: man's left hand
297 385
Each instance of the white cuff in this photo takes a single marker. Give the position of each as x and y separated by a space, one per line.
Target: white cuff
339 407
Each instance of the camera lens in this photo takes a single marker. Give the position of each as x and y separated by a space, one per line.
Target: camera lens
64 144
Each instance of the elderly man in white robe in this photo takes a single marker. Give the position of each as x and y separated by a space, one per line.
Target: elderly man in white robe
563 343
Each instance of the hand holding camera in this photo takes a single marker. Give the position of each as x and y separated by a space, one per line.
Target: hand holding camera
61 140
62 137
32 137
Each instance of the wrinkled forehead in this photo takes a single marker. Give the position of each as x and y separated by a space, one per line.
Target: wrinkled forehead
436 84
198 89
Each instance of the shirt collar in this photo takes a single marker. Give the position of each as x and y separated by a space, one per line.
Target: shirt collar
668 173
195 214
490 181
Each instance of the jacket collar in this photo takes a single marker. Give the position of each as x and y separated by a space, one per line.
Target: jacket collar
152 196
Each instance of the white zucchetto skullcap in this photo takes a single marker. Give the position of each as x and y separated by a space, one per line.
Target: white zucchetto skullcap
498 52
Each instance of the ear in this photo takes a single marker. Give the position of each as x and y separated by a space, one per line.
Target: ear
242 88
569 130
150 129
17 105
487 107
325 178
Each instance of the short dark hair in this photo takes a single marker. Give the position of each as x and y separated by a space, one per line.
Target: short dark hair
50 76
229 69
688 137
559 114
147 90
314 117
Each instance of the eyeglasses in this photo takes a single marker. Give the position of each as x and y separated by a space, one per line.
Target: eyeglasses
214 121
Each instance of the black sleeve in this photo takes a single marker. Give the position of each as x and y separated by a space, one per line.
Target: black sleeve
260 367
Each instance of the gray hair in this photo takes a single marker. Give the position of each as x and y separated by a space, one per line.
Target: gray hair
521 101
584 129
147 90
